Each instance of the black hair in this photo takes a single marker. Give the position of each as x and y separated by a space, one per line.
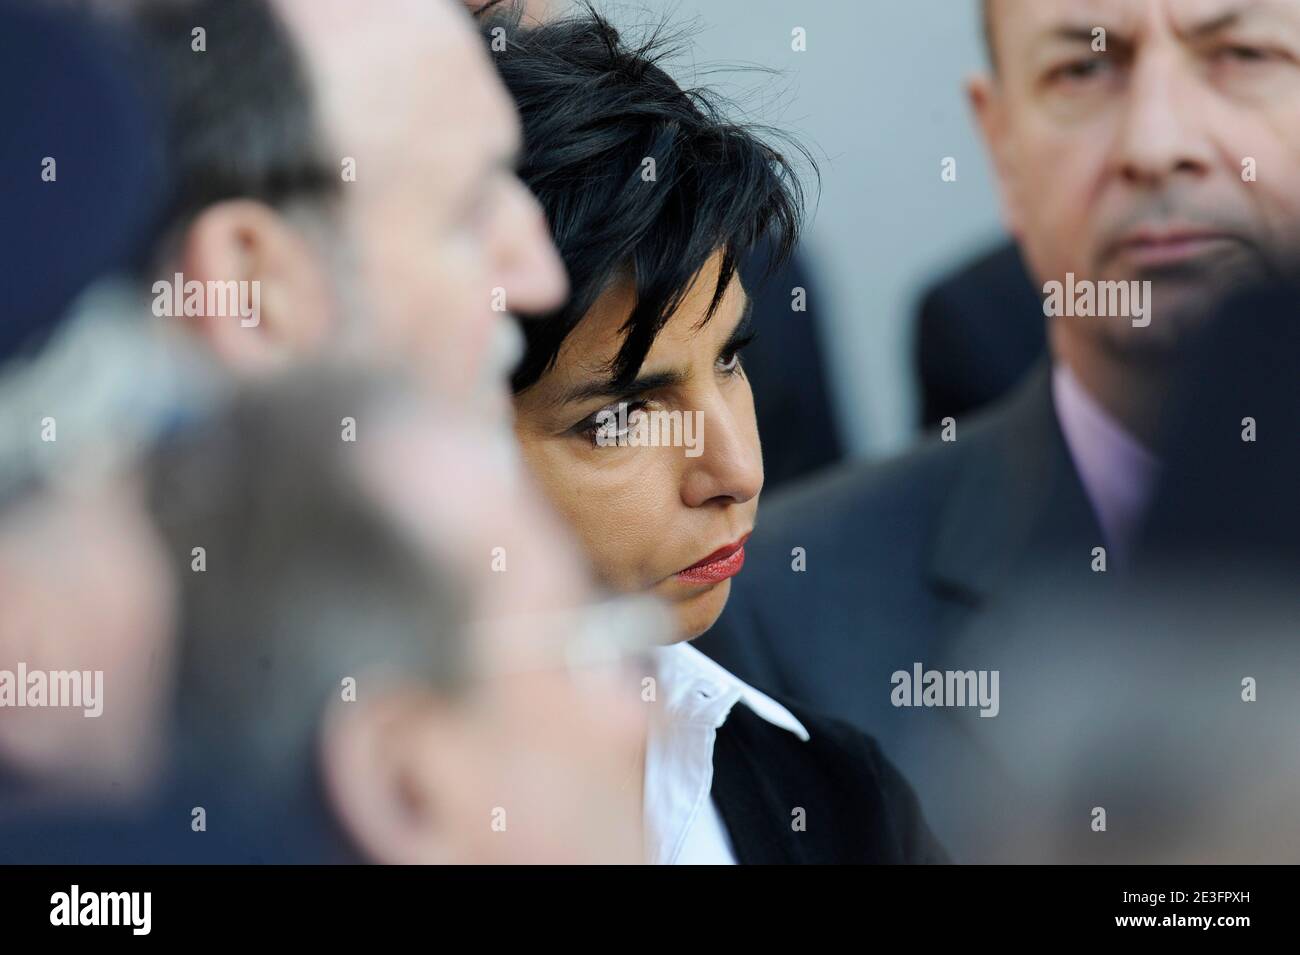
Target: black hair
241 115
594 110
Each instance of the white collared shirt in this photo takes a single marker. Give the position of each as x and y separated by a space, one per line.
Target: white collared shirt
695 697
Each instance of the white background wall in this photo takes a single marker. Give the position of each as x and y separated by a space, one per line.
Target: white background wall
878 96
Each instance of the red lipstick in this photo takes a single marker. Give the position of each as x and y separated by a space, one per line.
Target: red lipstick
723 563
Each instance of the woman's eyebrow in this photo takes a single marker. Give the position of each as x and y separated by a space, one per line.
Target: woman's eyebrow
610 388
743 328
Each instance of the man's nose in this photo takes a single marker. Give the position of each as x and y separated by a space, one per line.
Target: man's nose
1164 132
529 267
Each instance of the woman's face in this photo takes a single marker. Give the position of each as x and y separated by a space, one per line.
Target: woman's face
663 498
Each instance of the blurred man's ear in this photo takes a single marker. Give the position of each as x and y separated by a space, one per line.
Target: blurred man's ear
380 773
248 242
989 105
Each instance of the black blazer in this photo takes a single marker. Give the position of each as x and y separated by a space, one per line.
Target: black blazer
912 561
831 799
1220 499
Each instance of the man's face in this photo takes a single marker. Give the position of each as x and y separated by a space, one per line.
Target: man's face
445 235
1171 155
555 748
86 587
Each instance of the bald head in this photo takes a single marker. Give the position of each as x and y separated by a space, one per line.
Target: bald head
405 126
442 226
376 76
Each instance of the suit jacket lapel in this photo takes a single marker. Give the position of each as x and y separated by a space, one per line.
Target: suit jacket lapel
1017 500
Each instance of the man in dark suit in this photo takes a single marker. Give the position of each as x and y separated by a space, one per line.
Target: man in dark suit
787 369
1232 449
978 333
862 584
863 573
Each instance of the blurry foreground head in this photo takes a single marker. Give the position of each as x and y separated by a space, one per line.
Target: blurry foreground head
1155 726
534 11
85 641
87 592
345 186
85 598
350 684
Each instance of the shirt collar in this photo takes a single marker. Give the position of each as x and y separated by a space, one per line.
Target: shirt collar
1116 470
696 689
695 696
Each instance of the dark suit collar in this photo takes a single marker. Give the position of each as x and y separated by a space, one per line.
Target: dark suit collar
1016 497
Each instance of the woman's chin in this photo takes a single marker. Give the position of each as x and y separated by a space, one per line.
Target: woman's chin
698 611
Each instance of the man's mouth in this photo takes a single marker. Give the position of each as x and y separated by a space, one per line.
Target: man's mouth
1162 247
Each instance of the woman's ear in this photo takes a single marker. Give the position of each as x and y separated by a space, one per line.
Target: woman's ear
278 308
380 771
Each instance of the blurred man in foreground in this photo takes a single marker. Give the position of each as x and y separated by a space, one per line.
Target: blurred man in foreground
347 686
352 174
83 584
413 269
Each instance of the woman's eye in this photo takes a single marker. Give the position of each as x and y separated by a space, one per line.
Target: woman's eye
729 360
610 427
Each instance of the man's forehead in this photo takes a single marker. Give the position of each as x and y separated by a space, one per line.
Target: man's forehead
343 30
1036 17
360 61
408 88
468 92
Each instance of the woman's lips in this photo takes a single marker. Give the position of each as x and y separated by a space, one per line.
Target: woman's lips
723 563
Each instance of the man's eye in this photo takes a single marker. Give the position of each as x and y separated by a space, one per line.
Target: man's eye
1241 54
1078 71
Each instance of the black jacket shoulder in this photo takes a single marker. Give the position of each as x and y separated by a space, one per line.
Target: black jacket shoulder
834 798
